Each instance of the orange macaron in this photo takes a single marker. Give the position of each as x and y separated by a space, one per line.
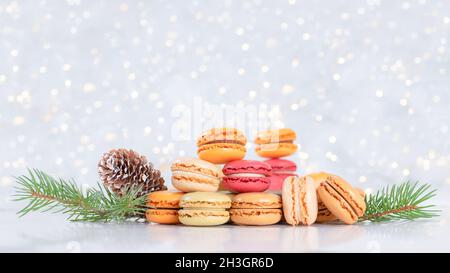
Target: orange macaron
221 145
341 199
163 207
276 143
256 209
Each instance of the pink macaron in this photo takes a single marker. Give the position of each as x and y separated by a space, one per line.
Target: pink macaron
247 176
281 169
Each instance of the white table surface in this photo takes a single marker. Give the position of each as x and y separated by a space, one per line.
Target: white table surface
52 233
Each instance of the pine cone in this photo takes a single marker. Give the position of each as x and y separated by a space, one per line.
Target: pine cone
120 169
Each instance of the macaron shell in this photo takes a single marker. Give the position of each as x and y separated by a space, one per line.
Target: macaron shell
217 134
164 199
247 166
256 200
246 184
191 182
353 198
275 150
192 217
276 181
221 153
255 217
299 200
205 200
290 193
325 217
308 200
270 136
278 164
337 205
319 177
195 165
162 216
360 192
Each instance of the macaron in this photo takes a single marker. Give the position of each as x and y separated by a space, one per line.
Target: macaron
256 209
299 200
319 177
276 143
323 214
246 176
341 199
281 169
204 209
191 174
163 207
221 145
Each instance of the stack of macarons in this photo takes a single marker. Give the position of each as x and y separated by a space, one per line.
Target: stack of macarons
275 144
201 201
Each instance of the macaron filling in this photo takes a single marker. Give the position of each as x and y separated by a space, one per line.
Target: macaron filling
185 173
224 141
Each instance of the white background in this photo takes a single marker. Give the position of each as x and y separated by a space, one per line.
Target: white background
365 84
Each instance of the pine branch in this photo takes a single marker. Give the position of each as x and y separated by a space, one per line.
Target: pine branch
400 202
47 194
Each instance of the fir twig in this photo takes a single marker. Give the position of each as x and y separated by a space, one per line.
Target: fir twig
400 202
46 193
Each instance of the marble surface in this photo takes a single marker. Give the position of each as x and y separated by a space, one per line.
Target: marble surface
52 233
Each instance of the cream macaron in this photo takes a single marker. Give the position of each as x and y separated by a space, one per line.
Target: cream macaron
192 174
299 200
204 209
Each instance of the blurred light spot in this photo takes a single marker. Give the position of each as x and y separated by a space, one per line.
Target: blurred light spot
245 47
89 87
66 67
379 93
109 137
6 181
18 120
134 94
332 139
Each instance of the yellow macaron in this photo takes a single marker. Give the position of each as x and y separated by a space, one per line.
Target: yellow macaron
204 209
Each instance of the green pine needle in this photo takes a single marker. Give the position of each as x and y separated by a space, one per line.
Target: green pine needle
400 202
47 194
